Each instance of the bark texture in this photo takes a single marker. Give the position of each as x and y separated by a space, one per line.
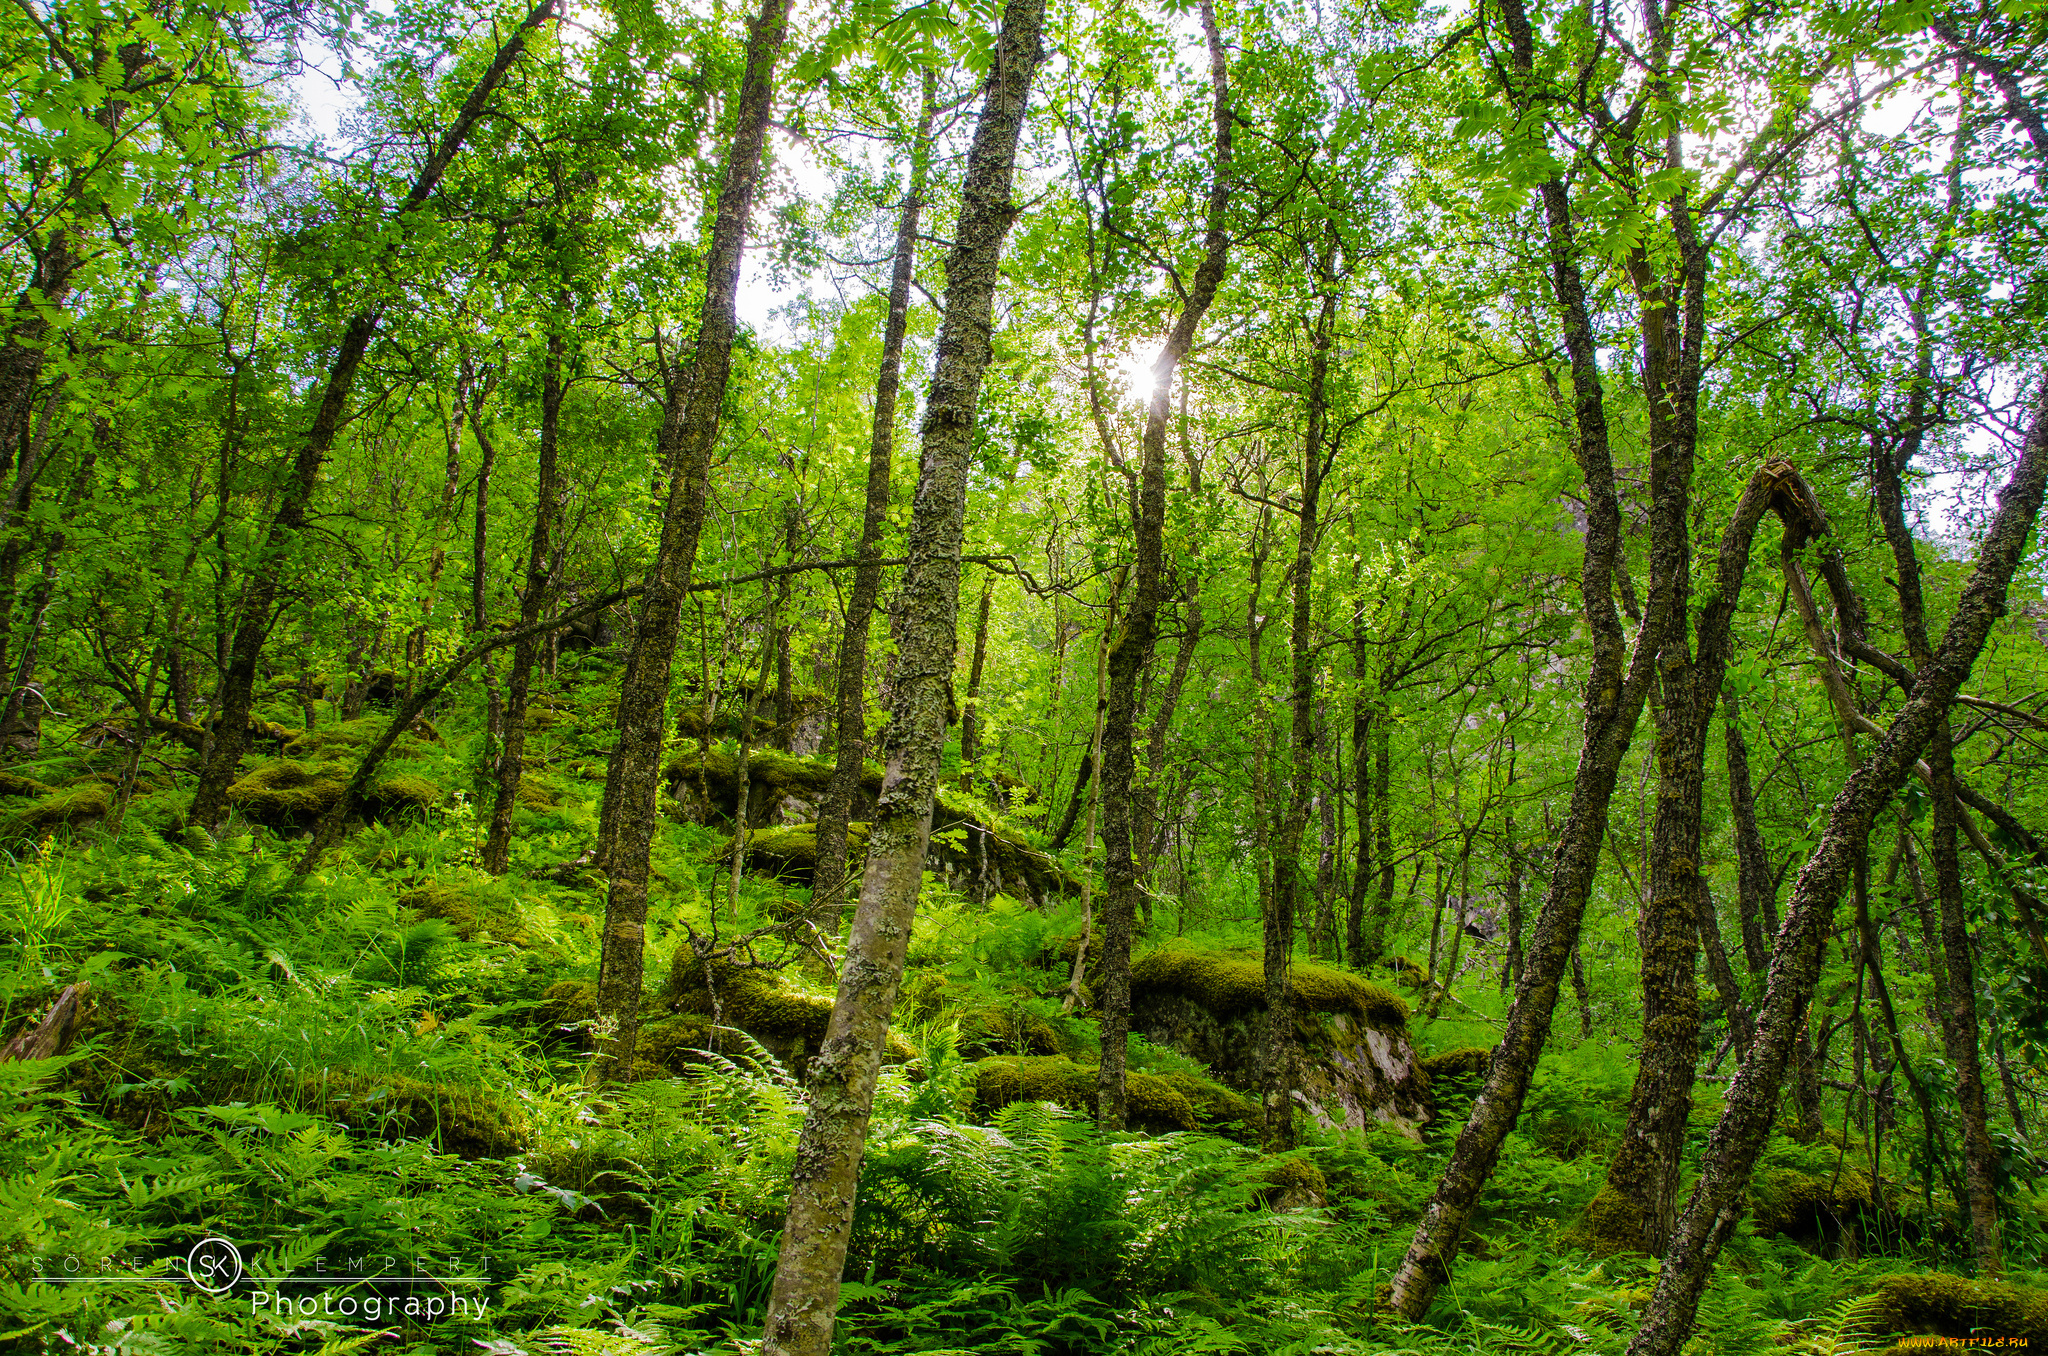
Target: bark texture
850 699
1613 702
1122 883
804 1303
1737 1138
689 433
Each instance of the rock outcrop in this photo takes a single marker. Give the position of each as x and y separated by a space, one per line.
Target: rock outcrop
1357 1065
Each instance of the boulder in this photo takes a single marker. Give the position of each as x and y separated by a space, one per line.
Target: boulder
761 1002
1357 1066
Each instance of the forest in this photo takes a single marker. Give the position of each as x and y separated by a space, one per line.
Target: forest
1216 676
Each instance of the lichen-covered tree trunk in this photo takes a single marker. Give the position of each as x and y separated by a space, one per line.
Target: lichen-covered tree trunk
1957 999
835 808
804 1303
1738 1136
689 433
1756 891
1613 701
1132 656
253 617
1362 943
497 852
1641 1195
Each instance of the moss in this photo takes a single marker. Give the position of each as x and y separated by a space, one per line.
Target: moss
14 784
1807 1205
289 792
1470 1062
1940 1305
1609 1226
534 795
468 911
466 1121
405 792
71 807
759 1002
1228 983
1154 1104
1293 1182
1010 1031
569 1002
1218 1108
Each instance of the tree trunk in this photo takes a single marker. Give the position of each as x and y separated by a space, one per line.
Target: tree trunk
253 617
805 1301
850 742
497 855
1738 1136
1613 701
689 432
1755 886
1132 657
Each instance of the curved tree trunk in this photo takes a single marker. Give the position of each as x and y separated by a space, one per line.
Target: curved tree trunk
1738 1137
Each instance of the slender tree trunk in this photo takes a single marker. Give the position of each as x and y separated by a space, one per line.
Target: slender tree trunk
1709 1217
1132 657
253 617
497 855
850 742
1511 967
1362 944
1278 1059
1755 885
1613 701
1077 972
805 1301
689 433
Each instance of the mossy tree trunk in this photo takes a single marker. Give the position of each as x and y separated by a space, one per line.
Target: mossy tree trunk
804 1303
1613 701
850 740
255 613
1132 656
1957 1001
689 433
1738 1136
533 600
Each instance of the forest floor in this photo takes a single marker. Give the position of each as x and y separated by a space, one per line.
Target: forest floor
371 1084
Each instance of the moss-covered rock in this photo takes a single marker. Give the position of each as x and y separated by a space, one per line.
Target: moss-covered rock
1471 1061
990 1031
469 910
1229 983
1609 1226
760 1002
567 1003
674 1043
289 793
1936 1304
1217 1108
14 784
70 808
969 842
1357 1066
1153 1104
1293 1183
343 740
466 1121
1810 1207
